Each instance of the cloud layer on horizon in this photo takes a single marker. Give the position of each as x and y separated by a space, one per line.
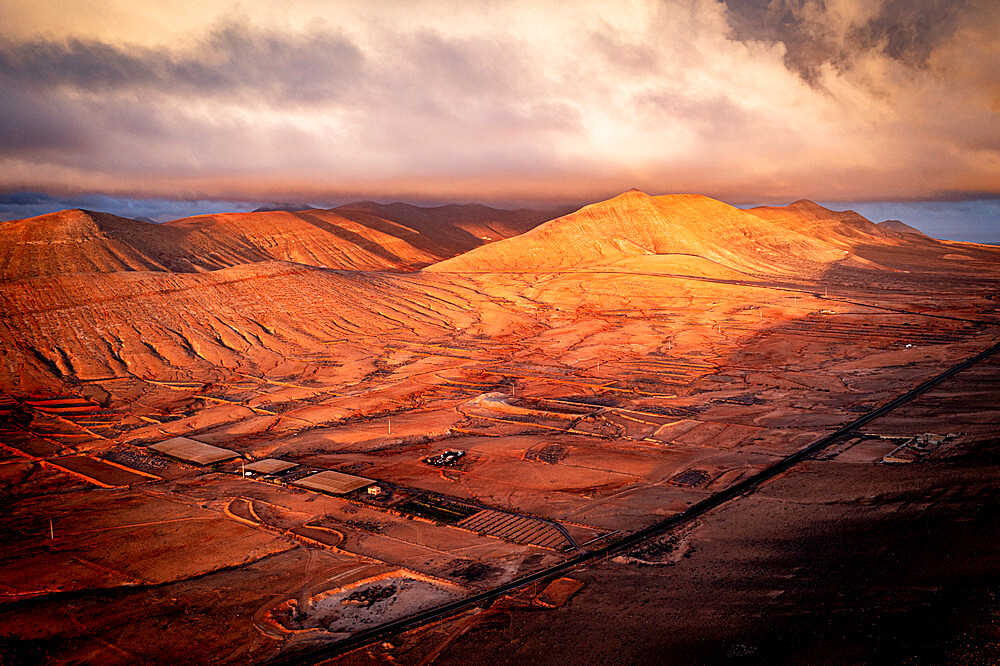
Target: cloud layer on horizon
836 100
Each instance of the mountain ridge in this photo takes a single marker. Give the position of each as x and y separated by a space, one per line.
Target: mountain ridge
81 241
634 223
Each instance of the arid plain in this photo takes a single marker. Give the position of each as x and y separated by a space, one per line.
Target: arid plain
504 391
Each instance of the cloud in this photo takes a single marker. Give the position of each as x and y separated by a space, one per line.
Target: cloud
834 33
747 100
29 126
231 60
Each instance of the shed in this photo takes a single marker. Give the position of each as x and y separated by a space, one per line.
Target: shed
193 451
270 466
333 482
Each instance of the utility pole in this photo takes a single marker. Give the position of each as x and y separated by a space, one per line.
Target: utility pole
52 530
389 421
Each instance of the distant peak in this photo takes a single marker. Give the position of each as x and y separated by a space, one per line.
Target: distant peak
805 203
900 226
633 195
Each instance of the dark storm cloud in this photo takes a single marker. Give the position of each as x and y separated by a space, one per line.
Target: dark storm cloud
232 59
28 123
904 30
909 30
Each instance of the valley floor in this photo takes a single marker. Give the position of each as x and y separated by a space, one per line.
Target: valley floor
586 404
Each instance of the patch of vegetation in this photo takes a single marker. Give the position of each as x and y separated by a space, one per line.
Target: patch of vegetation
434 508
372 526
693 478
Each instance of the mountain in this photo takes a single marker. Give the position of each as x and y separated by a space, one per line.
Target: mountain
315 237
901 227
637 230
80 241
843 228
460 227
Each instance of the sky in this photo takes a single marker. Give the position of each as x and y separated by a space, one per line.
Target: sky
175 104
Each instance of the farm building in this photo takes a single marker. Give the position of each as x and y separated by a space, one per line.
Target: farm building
270 466
336 483
193 451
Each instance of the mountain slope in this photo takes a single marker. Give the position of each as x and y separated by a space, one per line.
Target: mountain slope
900 227
634 225
844 228
459 227
81 241
169 326
316 237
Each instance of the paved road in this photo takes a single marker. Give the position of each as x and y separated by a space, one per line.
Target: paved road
319 652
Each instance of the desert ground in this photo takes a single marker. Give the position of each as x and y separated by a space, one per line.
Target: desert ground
509 393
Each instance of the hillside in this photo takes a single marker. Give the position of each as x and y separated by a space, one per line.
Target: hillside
79 241
317 238
460 227
843 228
634 225
82 241
167 325
900 227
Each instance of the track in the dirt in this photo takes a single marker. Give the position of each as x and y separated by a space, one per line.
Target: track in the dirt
315 653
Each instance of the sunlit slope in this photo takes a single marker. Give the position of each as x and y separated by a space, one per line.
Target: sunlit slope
315 237
889 245
634 224
79 241
844 228
174 325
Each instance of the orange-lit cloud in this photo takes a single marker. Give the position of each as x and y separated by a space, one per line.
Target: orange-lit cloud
844 99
